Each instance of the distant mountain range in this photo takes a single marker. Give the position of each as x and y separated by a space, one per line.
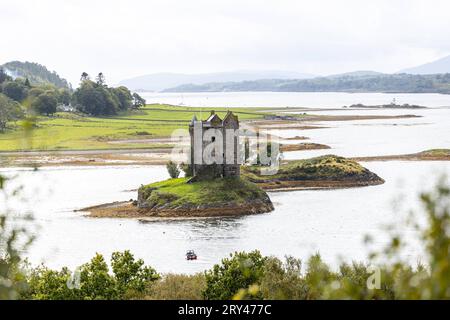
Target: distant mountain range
438 66
35 73
353 82
422 78
161 81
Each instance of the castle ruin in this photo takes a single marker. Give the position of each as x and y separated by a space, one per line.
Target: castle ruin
203 135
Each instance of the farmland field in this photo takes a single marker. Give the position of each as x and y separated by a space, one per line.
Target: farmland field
69 131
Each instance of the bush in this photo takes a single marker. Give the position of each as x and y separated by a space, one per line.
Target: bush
187 169
178 287
173 170
91 281
239 271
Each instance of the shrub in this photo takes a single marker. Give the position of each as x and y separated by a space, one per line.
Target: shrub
92 281
178 287
187 169
239 271
173 170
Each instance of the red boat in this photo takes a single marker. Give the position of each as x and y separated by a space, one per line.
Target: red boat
190 255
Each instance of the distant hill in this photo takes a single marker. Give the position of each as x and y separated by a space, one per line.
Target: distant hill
356 74
375 83
36 73
161 81
438 66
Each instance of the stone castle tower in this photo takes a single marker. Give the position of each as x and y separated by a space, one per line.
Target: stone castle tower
227 127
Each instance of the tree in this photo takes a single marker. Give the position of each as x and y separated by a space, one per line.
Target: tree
95 99
239 271
45 103
4 76
100 79
131 275
10 110
138 101
84 77
173 170
124 97
15 90
64 97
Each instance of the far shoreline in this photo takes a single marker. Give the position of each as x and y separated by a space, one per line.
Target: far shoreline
158 159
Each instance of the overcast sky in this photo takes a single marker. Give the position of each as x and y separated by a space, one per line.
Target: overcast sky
130 38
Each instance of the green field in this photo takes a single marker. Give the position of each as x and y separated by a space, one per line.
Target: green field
69 131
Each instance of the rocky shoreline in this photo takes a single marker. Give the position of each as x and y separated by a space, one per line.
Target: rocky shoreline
130 209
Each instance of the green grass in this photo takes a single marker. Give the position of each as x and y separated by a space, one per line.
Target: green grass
328 167
68 131
177 192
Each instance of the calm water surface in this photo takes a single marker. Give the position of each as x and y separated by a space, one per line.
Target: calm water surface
332 222
377 137
295 99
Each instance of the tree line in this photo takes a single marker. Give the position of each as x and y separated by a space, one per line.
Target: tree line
19 97
406 83
96 98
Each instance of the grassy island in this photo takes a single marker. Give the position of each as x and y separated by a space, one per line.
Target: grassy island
327 171
231 196
178 198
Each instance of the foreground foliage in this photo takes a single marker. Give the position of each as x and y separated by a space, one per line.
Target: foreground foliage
129 279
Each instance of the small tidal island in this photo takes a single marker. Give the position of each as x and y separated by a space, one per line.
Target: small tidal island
218 197
324 172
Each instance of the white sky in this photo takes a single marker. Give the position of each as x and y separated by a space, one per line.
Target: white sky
123 39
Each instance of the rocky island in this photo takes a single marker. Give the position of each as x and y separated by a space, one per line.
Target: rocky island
324 172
